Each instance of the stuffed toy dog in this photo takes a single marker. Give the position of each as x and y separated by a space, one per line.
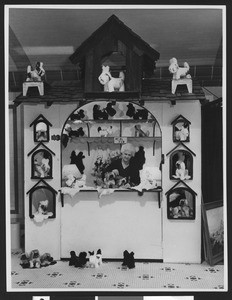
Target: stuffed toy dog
78 116
105 131
77 159
177 71
25 261
110 110
81 260
73 258
95 260
111 83
99 114
34 259
37 73
128 259
46 260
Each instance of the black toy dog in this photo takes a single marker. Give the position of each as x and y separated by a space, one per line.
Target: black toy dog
73 259
81 260
128 259
78 116
99 114
78 160
110 110
76 133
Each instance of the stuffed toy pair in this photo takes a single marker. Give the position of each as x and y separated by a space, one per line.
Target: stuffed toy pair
78 261
78 116
99 114
140 114
95 260
35 260
128 259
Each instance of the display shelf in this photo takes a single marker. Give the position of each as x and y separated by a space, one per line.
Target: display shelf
158 190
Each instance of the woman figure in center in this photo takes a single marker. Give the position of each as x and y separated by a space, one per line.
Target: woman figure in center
126 166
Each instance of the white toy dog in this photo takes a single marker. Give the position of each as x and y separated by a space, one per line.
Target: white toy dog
177 71
95 260
37 73
110 83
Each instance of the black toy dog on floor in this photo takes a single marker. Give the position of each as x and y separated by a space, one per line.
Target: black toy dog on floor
128 259
78 261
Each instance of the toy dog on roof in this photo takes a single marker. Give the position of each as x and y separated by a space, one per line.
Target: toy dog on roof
177 71
111 83
37 73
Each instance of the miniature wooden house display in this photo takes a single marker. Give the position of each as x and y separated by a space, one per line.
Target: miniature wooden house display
181 129
95 131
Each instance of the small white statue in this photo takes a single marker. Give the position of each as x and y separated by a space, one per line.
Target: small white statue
110 83
177 71
37 73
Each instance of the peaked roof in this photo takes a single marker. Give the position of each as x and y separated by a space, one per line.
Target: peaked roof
118 29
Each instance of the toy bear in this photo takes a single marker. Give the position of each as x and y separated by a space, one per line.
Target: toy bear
128 259
78 160
81 260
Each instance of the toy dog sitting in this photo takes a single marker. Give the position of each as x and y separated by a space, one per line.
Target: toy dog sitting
34 259
110 110
99 114
95 260
73 258
37 73
77 159
177 71
111 83
128 259
25 261
78 116
81 260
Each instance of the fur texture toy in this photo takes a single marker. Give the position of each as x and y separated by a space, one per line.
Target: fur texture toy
110 110
37 73
34 259
105 131
73 258
78 116
46 260
178 72
81 260
25 261
99 114
140 114
111 84
128 259
95 260
78 160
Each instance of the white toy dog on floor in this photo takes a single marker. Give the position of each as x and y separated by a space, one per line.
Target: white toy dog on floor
95 260
177 71
110 83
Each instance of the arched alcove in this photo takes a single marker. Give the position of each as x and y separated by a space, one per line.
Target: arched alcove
97 130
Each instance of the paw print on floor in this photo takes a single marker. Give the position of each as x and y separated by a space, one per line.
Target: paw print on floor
54 274
212 270
145 277
72 283
171 286
123 268
219 287
120 285
99 275
167 269
24 282
193 278
14 273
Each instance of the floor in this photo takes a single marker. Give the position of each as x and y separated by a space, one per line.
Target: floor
113 276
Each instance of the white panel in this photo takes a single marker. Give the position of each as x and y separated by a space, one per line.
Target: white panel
114 223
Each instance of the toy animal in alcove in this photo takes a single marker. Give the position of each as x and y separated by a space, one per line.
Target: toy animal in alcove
37 73
111 84
77 159
178 72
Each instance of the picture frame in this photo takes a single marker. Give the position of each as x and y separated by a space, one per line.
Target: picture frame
181 165
41 164
213 231
181 204
42 203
